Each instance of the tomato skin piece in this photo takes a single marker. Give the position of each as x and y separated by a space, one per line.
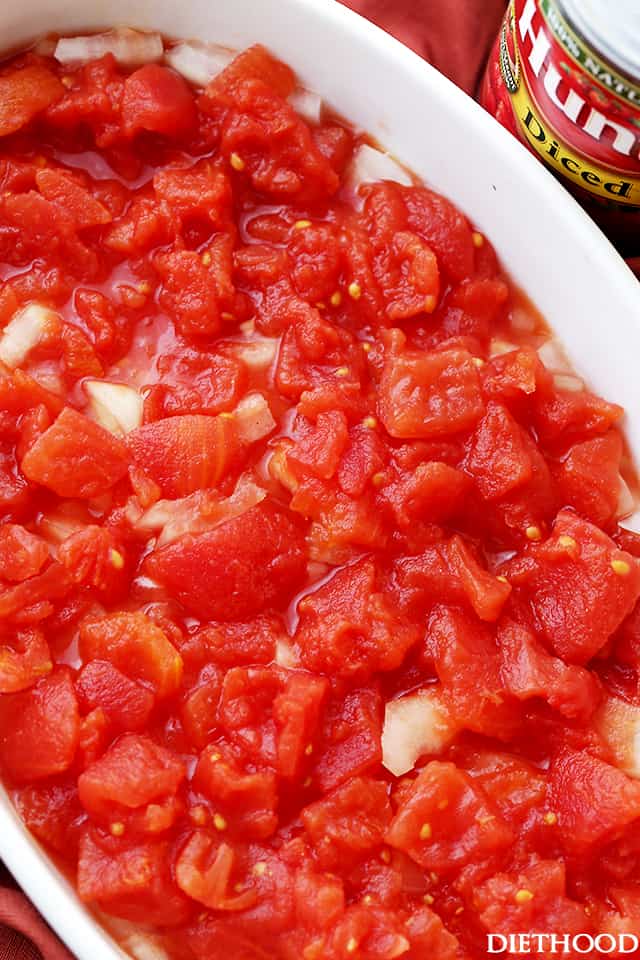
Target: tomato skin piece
127 704
454 808
593 800
185 453
158 100
235 571
134 644
24 94
132 773
130 881
76 457
39 729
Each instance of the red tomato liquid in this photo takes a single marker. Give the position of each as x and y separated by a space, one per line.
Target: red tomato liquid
341 481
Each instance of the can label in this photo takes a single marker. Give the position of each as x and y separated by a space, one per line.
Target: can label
572 108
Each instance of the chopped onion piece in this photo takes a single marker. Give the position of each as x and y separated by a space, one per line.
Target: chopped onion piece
568 382
259 354
59 525
253 418
144 947
370 165
632 522
497 347
307 104
23 332
199 512
286 654
626 500
619 723
554 357
198 62
114 406
414 725
522 320
131 48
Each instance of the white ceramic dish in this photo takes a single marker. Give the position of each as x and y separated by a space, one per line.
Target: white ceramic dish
547 243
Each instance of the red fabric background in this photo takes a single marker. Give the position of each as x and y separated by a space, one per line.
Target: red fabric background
454 35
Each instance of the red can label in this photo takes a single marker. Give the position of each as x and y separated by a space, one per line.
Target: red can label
572 108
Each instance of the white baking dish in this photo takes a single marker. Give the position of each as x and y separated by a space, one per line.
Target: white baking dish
545 240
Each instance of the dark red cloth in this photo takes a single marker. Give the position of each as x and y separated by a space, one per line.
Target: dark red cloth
454 35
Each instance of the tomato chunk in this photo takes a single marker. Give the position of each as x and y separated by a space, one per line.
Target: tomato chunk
132 773
76 458
447 820
136 646
428 395
251 562
24 94
183 454
158 100
130 881
39 729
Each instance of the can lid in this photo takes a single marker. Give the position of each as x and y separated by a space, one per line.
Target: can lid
612 27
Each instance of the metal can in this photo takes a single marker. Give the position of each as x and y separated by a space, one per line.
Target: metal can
564 77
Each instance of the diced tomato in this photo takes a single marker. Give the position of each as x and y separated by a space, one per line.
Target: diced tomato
130 881
134 772
577 570
24 662
127 704
318 448
76 458
135 646
61 188
203 872
533 901
428 395
466 659
446 820
349 742
51 810
22 554
449 571
589 478
432 493
498 458
250 563
158 100
348 628
592 800
247 802
348 823
25 93
183 454
529 671
39 729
